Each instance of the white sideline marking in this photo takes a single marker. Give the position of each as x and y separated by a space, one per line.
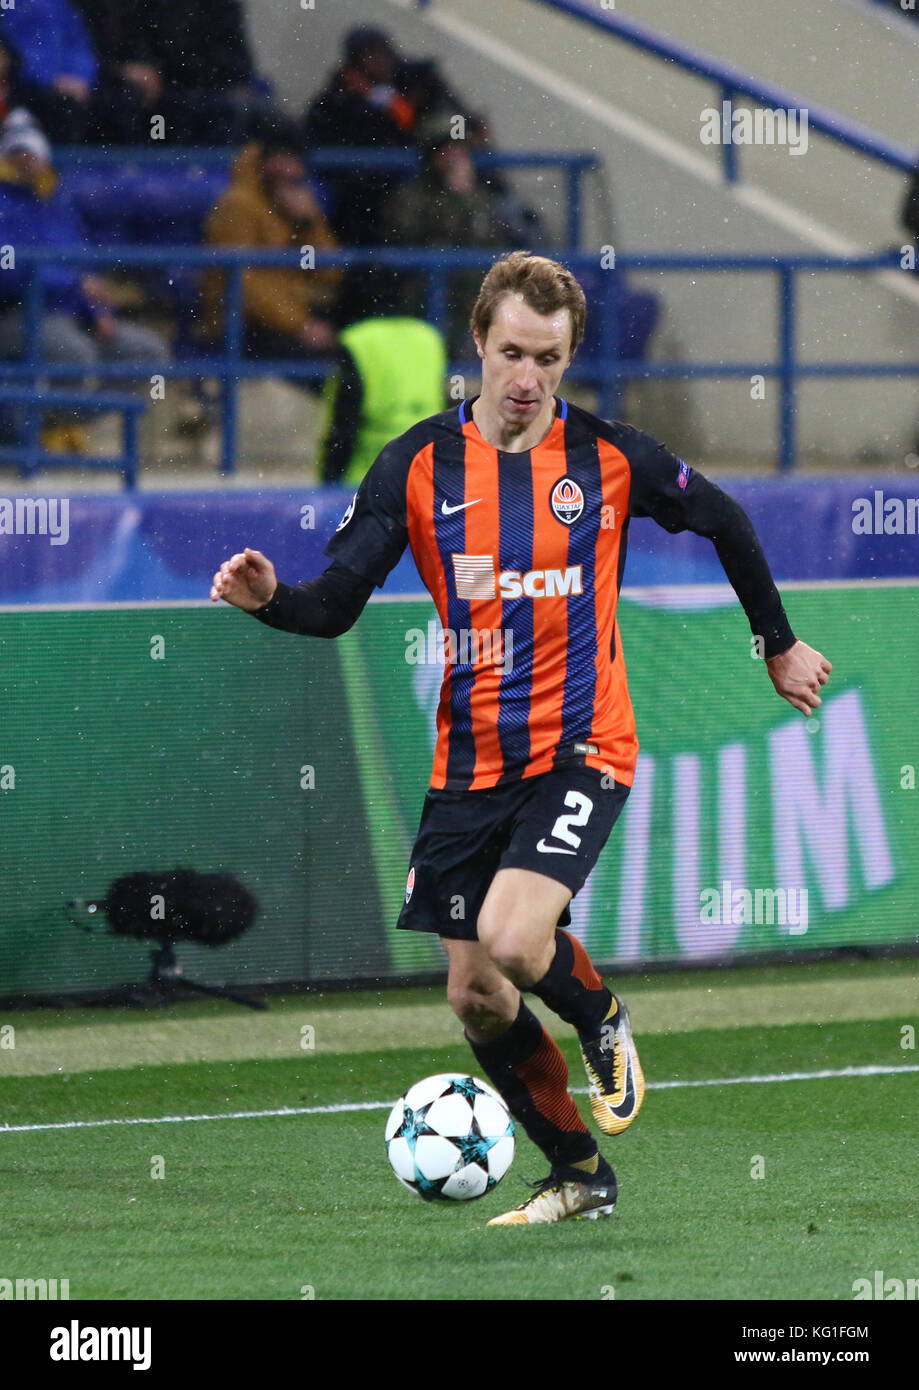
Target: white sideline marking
346 1107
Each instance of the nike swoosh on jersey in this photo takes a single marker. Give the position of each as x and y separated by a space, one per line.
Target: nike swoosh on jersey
447 510
553 849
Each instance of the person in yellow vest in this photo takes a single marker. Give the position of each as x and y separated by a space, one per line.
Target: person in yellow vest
391 373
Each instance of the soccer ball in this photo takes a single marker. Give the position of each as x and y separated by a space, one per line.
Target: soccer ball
450 1137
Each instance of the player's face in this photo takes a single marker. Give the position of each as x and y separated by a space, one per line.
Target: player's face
524 357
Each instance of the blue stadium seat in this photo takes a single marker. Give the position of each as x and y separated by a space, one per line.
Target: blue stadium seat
125 203
634 314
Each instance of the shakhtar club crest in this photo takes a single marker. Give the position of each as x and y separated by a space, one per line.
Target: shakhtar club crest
567 500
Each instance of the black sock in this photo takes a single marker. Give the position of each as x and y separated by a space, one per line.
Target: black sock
526 1066
572 988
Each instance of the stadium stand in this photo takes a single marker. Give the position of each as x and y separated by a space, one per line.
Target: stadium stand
196 805
108 71
654 325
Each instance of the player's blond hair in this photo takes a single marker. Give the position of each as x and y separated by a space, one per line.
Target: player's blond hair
546 286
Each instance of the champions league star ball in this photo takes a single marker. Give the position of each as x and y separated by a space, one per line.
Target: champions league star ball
450 1138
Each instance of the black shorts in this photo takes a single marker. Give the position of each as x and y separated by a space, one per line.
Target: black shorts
555 824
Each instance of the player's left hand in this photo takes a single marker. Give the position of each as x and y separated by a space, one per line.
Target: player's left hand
798 675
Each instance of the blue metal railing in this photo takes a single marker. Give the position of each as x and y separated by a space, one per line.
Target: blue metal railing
606 371
733 82
328 159
31 456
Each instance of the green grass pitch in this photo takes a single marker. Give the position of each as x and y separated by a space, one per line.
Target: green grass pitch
271 1207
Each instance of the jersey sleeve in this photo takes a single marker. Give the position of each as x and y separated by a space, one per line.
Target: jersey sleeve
660 483
323 607
680 499
373 532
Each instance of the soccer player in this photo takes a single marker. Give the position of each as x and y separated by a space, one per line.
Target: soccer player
516 506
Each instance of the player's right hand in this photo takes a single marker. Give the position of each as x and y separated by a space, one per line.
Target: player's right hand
798 675
246 580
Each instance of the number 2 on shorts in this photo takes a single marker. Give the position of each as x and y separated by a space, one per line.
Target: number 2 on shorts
583 807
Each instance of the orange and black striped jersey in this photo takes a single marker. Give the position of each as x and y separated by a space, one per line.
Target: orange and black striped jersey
523 555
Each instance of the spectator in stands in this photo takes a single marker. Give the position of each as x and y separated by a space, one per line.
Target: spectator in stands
522 221
126 73
434 103
269 204
56 66
361 106
446 207
391 373
80 327
197 53
100 69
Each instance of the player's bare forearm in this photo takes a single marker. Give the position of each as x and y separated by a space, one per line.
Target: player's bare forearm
798 675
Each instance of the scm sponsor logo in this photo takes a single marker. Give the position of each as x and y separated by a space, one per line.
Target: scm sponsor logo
541 583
